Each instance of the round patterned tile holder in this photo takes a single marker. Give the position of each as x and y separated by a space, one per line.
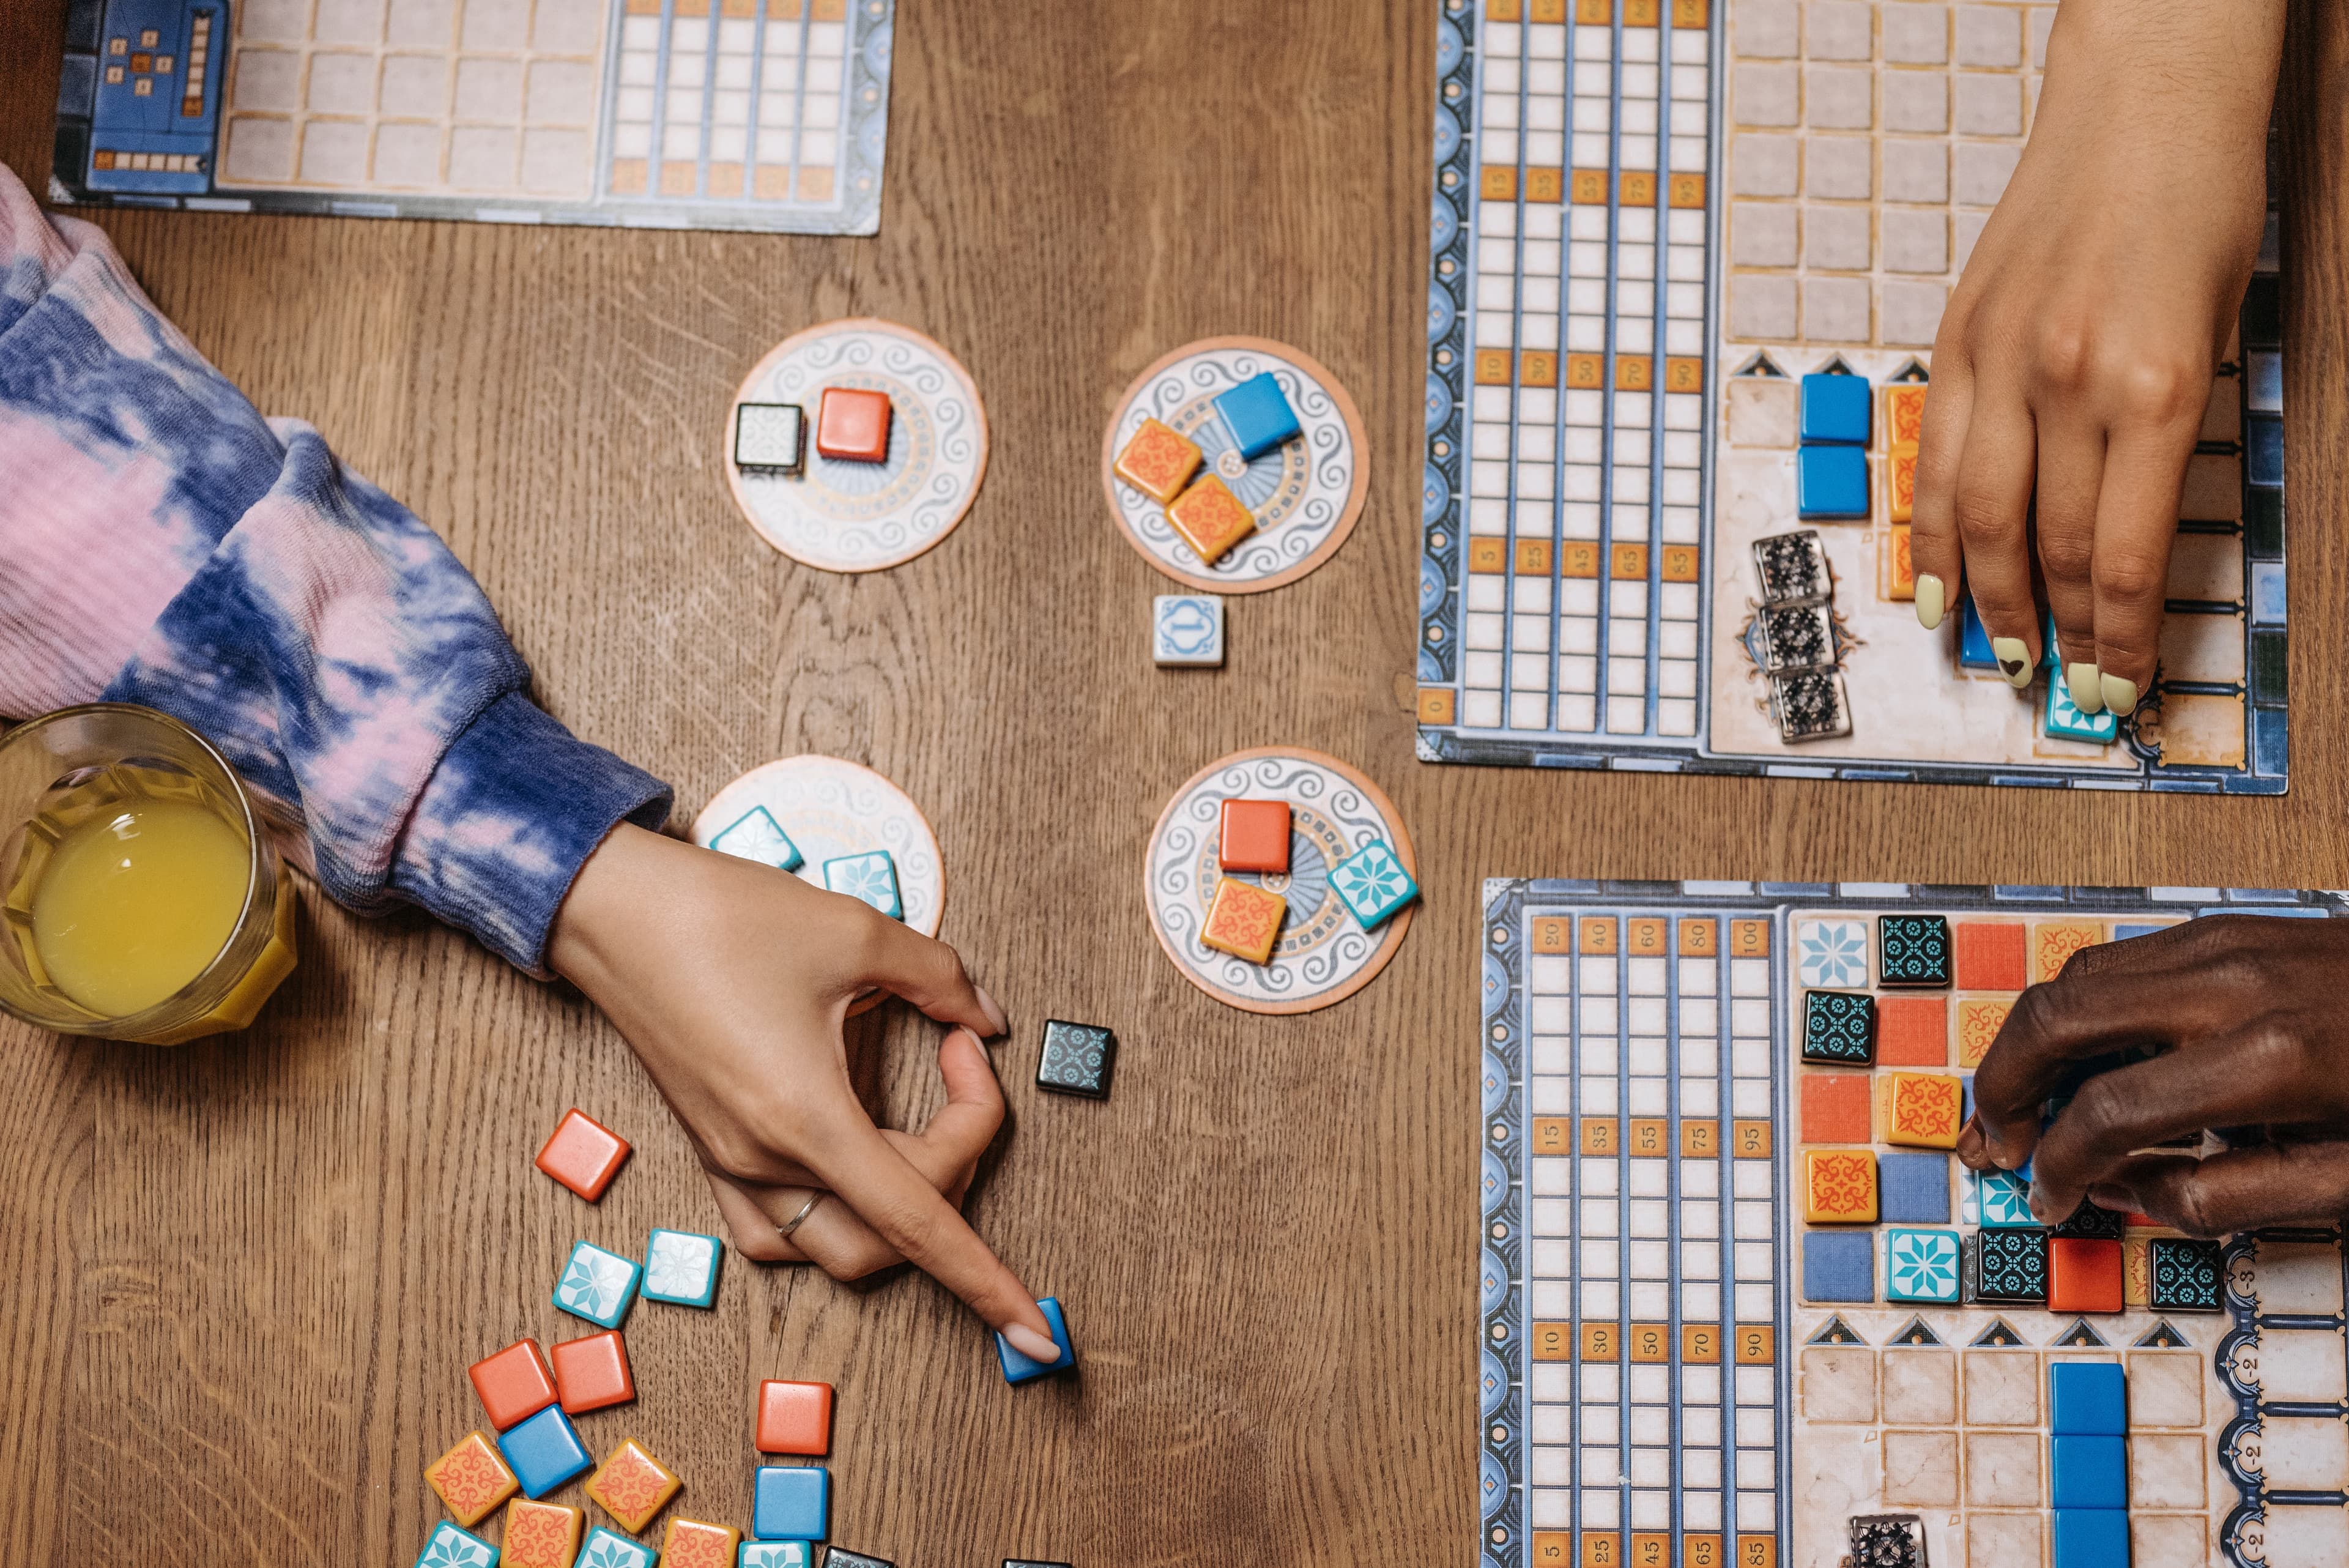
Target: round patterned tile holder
1307 494
866 516
1323 955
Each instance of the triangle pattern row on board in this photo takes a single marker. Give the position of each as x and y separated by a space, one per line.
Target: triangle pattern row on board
1999 1334
1834 1331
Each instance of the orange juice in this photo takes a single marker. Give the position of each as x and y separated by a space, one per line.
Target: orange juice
137 901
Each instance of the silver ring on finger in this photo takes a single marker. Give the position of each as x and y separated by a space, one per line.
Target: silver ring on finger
800 1219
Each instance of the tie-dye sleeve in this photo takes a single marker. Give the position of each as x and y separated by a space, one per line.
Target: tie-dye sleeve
162 543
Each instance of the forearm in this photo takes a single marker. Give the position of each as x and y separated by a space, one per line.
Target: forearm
2197 76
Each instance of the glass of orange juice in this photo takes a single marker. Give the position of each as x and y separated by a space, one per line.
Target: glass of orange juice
141 897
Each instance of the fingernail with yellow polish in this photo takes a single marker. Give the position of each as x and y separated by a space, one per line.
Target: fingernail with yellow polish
2120 695
1931 600
2013 660
2088 688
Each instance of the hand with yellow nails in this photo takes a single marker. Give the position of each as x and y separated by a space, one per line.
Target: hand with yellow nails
2076 361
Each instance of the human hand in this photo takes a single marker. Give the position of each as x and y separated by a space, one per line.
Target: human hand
2075 359
2246 1012
732 981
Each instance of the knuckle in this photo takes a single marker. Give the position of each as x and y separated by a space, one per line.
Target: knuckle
2194 1209
2162 390
2103 1113
2064 351
2130 578
2066 555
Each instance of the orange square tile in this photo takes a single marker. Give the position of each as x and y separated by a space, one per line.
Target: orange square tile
633 1486
1211 519
1243 921
690 1544
1900 478
1978 1022
2084 1276
541 1535
1922 1110
1900 566
583 1154
1992 955
2137 1271
1838 1187
1253 835
1835 1107
1904 412
794 1418
471 1479
852 424
2052 942
1159 461
513 1385
1912 1030
592 1373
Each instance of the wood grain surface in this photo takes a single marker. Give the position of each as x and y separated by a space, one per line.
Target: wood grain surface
242 1279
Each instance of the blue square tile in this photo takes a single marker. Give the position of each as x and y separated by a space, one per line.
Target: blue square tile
1257 415
544 1451
776 1554
607 1547
757 836
1912 1187
2088 1399
1018 1368
1973 640
1835 409
1831 483
681 1266
1372 883
449 1547
597 1285
870 878
2123 930
1839 1266
2066 723
2092 1538
2089 1472
1921 1265
792 1502
1187 629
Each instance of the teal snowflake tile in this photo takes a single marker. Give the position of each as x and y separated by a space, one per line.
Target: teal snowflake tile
1914 950
1996 1200
1839 1028
1372 883
681 1266
872 877
449 1547
1921 1265
606 1548
2066 721
779 1554
757 836
1832 954
597 1285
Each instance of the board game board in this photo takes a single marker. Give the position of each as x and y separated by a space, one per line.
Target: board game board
1664 233
1679 1371
717 114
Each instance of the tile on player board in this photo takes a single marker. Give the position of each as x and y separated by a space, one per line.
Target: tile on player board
2052 943
1904 411
597 1285
2084 1275
869 878
1243 921
1974 640
2063 721
1257 415
541 1535
757 836
1831 483
1838 1187
1809 705
1979 1021
792 1502
583 1154
1373 884
2002 1268
449 1547
472 1479
1832 954
632 1486
1793 568
1991 955
1077 1059
2188 1275
1019 1368
1839 1266
1838 1383
1921 1265
1835 410
1211 519
1913 951
852 424
607 1547
682 1268
1912 1032
2088 1471
2092 1224
2088 1399
1920 1468
544 1451
1835 1107
1839 1028
1913 1186
1253 835
1186 631
1159 461
769 436
793 1418
1995 1199
1921 1110
1795 637
1886 1541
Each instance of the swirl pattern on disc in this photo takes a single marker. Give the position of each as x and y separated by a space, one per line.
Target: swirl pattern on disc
865 516
1306 493
1323 956
831 808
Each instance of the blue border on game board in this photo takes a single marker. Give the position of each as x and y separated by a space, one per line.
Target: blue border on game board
1453 204
1505 1539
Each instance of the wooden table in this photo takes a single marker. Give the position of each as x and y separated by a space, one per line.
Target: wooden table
244 1279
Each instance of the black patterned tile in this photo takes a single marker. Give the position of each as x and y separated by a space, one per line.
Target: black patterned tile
1077 1059
1914 951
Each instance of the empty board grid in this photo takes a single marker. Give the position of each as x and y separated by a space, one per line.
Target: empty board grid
1650 1376
1579 590
730 100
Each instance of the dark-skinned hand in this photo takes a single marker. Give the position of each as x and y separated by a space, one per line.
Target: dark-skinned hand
2247 1014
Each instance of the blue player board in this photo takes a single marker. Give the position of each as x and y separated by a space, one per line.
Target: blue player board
1679 1369
728 114
1688 260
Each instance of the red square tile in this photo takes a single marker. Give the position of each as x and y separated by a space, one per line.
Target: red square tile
794 1418
1912 1030
1835 1108
1254 835
1992 955
593 1372
853 424
2084 1275
584 1154
514 1384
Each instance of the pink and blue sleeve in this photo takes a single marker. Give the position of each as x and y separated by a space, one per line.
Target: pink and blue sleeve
162 543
